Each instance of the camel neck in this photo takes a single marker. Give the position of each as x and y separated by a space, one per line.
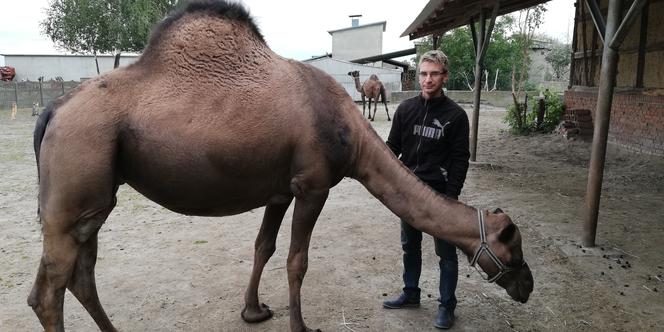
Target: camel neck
410 199
357 84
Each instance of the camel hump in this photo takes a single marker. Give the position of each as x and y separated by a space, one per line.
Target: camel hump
224 10
373 77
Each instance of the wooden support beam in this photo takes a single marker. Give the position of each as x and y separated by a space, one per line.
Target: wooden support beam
482 41
602 121
597 17
585 48
575 47
633 12
643 41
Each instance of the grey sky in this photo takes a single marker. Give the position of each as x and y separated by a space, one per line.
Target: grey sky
295 29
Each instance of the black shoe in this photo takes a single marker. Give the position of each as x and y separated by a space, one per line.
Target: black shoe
402 302
445 318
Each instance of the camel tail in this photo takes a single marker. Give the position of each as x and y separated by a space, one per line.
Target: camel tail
40 129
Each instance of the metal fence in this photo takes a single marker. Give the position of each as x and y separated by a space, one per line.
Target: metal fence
24 94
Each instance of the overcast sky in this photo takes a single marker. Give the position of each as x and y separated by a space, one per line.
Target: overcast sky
295 29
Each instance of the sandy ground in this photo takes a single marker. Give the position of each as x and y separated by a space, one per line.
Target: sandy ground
159 271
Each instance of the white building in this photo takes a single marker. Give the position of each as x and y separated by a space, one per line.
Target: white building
29 67
358 41
339 69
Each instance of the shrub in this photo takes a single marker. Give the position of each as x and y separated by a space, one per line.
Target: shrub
553 110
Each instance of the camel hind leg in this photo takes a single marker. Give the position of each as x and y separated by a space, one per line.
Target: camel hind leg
386 110
82 282
68 261
254 311
76 194
374 113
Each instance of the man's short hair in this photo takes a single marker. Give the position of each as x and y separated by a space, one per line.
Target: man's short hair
435 56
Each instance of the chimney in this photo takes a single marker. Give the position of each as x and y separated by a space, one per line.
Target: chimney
355 20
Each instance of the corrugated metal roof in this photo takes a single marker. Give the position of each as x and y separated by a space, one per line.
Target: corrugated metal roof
440 16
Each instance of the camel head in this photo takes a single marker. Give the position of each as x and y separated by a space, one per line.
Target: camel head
354 74
510 271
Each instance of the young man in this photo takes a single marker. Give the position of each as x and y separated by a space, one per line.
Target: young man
430 134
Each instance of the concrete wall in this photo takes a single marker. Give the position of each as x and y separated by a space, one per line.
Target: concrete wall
495 98
69 67
637 119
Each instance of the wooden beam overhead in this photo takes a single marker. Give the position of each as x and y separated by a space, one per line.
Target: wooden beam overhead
440 16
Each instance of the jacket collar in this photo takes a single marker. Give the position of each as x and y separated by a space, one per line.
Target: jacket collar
432 101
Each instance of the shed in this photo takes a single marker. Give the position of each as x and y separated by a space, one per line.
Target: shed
339 70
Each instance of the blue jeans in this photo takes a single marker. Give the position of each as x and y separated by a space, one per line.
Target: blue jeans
411 242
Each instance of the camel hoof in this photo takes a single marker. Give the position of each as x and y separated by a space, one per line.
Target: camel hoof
388 119
256 316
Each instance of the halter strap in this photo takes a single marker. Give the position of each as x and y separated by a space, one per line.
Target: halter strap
484 247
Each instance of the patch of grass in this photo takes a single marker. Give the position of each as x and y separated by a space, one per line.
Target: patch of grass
200 242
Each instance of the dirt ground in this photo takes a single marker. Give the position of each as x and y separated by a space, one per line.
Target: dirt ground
160 271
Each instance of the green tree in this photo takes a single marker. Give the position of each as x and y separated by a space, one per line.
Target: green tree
559 59
525 24
458 46
103 26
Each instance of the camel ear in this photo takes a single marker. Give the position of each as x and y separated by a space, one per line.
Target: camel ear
497 210
507 233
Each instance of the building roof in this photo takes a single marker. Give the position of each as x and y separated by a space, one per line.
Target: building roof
440 16
384 23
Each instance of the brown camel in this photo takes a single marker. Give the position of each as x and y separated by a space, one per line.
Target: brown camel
371 89
184 127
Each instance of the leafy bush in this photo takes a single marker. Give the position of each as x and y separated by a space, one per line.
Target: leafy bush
553 110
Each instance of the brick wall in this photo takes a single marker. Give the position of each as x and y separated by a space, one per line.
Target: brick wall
637 120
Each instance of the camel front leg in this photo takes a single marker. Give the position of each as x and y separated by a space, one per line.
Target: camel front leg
307 209
254 311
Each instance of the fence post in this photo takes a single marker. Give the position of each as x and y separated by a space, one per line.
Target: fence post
16 92
41 94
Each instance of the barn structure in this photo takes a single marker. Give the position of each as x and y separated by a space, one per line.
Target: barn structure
637 112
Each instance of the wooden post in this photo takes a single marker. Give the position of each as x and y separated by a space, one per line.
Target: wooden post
16 92
482 44
584 38
602 121
41 93
575 47
643 41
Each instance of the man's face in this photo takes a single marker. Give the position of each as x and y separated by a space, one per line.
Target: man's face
432 78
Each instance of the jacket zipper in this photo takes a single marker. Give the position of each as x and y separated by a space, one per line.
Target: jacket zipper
419 143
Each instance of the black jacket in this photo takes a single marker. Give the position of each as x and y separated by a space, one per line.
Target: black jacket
432 138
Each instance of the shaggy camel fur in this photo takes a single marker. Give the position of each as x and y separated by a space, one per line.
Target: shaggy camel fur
210 122
373 89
